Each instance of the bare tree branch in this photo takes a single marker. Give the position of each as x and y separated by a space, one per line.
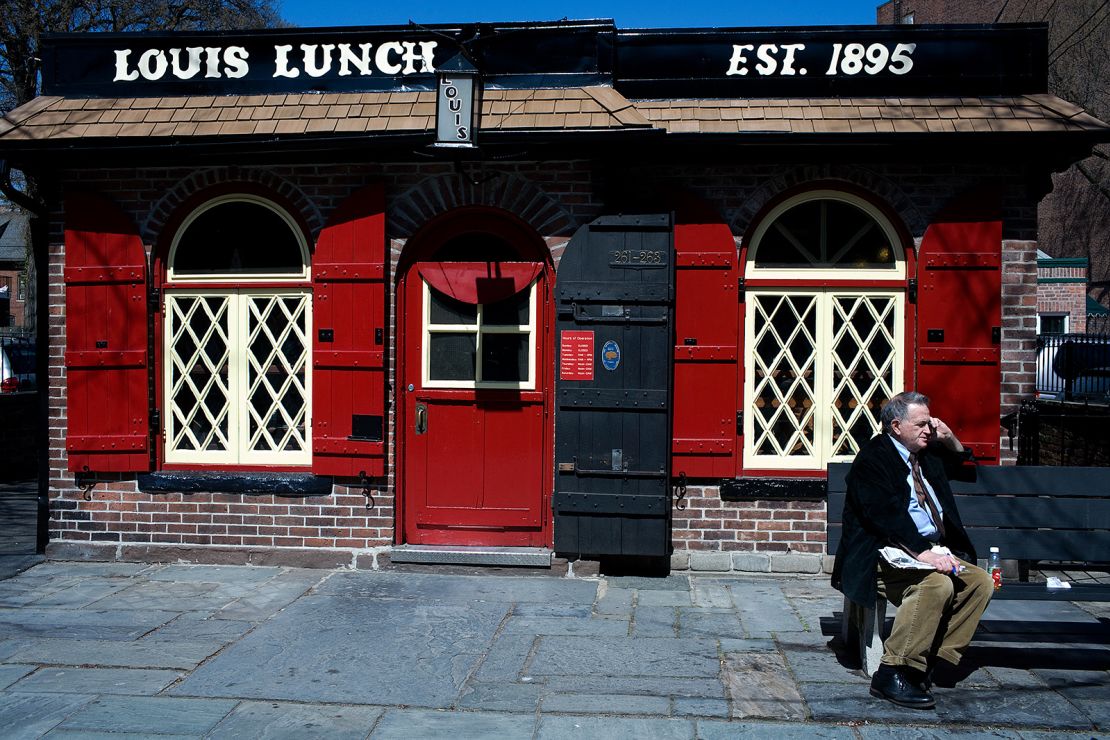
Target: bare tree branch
24 21
1093 179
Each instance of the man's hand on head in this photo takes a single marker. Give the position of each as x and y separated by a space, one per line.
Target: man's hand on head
944 435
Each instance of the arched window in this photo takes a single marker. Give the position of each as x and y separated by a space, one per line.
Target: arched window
824 329
236 339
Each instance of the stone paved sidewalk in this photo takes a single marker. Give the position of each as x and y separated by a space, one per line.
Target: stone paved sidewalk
132 650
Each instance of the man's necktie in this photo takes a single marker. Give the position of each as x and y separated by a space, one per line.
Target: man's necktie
923 497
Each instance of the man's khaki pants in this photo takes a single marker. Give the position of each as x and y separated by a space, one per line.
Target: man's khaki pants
937 613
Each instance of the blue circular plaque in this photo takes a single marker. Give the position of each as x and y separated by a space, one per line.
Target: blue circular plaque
610 355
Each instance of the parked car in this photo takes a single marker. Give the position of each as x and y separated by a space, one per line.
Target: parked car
17 366
1081 370
1094 385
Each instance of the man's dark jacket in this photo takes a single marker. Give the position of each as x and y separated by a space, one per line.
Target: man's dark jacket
876 513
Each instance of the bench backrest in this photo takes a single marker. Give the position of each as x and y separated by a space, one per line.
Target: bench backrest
1028 512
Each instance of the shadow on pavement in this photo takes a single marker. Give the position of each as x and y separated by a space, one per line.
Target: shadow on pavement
18 527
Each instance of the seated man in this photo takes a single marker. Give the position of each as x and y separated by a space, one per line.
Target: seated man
898 495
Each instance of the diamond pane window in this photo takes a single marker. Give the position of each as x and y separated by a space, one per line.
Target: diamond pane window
237 374
822 363
822 359
238 377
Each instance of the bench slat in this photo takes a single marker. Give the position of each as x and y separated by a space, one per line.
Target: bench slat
1030 511
1013 480
1015 511
1037 480
1067 545
1023 544
1011 591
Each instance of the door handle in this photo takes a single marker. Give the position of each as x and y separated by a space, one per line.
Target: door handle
421 418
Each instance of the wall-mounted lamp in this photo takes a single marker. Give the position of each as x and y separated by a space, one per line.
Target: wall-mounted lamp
458 103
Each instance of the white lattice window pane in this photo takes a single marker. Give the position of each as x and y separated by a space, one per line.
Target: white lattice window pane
198 347
864 357
277 395
784 373
822 365
480 346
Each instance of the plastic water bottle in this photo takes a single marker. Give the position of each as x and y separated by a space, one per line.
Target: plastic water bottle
994 565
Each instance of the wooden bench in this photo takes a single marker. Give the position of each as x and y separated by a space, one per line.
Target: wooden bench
1031 513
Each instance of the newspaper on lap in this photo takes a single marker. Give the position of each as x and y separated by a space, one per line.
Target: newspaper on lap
901 559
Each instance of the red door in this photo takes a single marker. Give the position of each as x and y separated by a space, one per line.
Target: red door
476 417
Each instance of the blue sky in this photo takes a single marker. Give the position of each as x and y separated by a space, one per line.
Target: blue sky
627 13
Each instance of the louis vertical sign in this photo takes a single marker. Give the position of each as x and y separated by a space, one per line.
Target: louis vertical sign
458 102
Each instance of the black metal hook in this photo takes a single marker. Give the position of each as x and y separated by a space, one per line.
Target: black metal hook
365 483
680 492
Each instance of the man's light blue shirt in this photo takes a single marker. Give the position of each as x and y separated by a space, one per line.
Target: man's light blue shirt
925 526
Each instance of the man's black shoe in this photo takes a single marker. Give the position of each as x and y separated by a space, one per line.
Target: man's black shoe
890 683
921 679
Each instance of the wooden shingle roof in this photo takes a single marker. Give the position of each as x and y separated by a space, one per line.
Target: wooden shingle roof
576 108
1026 113
598 108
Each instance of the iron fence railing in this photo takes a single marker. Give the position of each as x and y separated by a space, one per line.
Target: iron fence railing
1059 433
1074 367
17 361
1098 323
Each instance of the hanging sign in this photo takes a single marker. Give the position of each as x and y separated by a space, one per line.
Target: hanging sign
455 111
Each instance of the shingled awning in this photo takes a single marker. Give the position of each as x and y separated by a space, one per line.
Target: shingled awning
56 118
547 111
1022 114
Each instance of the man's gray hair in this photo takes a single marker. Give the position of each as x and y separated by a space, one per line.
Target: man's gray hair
898 406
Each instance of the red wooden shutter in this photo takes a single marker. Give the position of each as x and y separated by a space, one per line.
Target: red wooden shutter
348 381
106 338
705 442
959 322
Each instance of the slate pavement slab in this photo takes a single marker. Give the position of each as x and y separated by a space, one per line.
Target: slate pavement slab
151 715
625 656
430 588
134 681
31 715
354 650
406 724
613 728
759 685
284 721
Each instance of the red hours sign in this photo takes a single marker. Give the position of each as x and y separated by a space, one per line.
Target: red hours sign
576 355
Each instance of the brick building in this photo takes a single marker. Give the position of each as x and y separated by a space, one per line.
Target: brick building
14 287
287 326
1062 301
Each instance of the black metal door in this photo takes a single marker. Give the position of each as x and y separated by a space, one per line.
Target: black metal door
615 293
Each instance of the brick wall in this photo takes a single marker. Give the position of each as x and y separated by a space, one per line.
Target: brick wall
709 524
1019 331
940 11
555 197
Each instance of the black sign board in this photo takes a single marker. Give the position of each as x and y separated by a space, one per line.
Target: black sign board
834 61
738 62
298 60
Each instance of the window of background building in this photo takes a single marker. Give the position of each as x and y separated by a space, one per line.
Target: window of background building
1052 323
